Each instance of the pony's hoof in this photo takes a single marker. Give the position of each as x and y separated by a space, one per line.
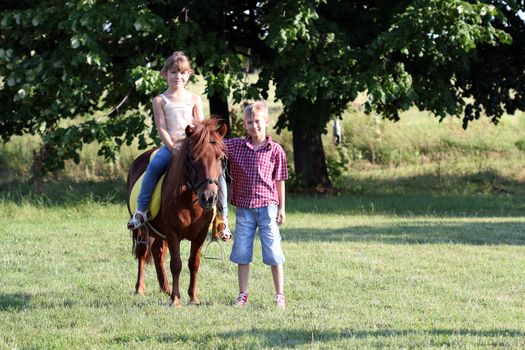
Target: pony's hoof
175 303
166 290
140 291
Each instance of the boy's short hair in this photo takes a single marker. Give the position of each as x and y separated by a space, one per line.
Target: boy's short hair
177 60
254 107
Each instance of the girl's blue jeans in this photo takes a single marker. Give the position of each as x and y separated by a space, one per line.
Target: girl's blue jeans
156 166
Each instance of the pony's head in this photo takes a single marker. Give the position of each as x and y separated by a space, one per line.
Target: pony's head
204 159
201 159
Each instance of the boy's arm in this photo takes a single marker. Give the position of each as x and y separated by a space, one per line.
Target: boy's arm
281 212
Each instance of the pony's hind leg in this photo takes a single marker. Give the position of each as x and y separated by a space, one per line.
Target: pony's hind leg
159 249
142 253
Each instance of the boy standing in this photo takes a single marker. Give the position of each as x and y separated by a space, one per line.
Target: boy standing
258 171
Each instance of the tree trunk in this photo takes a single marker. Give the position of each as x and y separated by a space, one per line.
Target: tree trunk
38 167
309 159
219 106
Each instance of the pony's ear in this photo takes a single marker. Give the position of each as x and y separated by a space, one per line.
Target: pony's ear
189 130
222 129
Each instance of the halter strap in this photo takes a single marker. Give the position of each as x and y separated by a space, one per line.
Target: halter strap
194 187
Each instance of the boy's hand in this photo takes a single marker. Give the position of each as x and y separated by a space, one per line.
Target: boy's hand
281 216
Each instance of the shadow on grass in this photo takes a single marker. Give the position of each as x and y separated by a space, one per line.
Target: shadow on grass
291 338
421 195
475 233
66 191
408 204
16 301
482 182
484 192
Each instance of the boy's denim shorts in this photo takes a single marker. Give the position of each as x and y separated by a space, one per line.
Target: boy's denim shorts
248 219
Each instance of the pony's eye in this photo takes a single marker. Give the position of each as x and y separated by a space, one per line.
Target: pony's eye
213 142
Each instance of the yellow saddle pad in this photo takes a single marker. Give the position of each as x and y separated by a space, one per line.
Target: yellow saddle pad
154 205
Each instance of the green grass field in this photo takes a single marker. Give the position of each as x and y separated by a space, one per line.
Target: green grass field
362 272
422 248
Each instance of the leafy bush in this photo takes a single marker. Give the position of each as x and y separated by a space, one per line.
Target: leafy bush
520 144
337 162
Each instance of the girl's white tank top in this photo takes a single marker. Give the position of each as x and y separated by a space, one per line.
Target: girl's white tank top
179 115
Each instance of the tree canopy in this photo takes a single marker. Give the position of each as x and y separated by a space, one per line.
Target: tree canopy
100 59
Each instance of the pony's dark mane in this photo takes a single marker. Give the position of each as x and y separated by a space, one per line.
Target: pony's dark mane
205 140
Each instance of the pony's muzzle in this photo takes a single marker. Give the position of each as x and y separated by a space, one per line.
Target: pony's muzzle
208 199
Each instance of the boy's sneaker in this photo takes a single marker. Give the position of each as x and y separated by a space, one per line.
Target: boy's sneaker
242 299
279 300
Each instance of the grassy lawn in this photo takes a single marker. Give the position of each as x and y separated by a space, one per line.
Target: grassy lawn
423 249
363 271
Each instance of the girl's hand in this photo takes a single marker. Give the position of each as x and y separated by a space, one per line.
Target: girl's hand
174 147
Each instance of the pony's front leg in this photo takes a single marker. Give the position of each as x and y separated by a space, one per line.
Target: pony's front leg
139 286
175 267
193 265
141 253
159 249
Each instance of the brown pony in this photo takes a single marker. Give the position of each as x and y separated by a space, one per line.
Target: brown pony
189 194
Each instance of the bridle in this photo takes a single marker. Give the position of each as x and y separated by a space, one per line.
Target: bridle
190 174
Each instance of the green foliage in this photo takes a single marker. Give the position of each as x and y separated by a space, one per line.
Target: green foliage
520 144
15 159
59 61
338 162
148 81
81 55
424 48
495 78
295 182
328 52
64 142
237 122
